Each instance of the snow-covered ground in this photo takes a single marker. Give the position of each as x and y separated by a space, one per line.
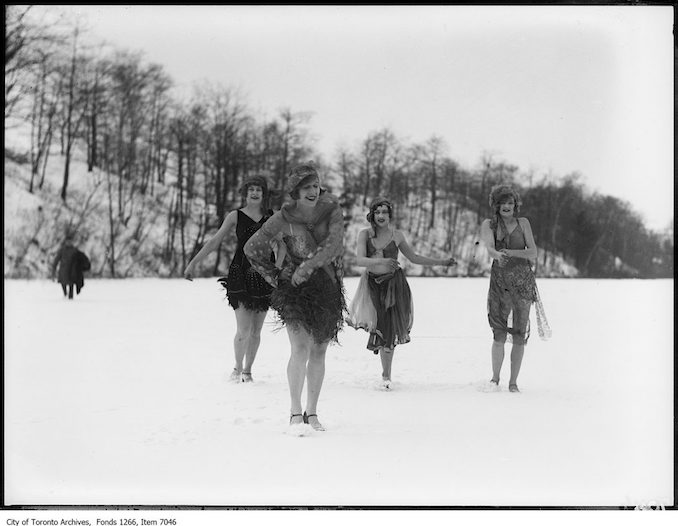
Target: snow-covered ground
120 398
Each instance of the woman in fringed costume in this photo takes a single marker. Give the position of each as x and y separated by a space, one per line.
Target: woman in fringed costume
308 290
513 288
383 302
247 292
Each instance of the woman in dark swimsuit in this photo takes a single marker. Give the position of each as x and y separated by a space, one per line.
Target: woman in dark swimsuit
383 302
509 241
247 291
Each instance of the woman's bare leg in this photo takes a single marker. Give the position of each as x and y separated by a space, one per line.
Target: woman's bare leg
242 329
300 350
497 359
315 374
386 355
517 352
256 322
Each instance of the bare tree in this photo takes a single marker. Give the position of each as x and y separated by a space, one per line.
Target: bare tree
73 114
23 37
42 116
183 129
158 104
94 92
366 167
111 255
433 151
294 143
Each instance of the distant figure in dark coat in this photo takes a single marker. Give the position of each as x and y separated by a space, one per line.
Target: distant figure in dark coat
72 263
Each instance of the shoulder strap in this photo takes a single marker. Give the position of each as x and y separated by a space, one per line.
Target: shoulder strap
500 226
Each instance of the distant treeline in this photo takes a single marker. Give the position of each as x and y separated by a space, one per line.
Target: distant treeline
192 155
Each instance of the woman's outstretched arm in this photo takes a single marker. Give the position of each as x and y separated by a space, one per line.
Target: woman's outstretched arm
212 244
418 259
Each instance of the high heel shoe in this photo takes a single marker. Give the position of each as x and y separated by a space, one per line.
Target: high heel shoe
246 377
303 419
316 425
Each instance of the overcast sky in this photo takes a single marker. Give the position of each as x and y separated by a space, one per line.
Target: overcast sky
551 89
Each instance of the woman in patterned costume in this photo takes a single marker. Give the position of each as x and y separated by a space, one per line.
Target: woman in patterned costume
308 289
247 292
510 243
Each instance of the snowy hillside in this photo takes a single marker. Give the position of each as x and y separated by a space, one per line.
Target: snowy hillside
35 225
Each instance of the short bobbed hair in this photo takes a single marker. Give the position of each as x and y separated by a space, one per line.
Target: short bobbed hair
261 182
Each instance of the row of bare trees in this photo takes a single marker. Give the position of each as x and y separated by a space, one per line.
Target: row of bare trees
147 146
600 235
180 163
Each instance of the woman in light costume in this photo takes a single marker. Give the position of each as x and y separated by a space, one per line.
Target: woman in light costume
383 301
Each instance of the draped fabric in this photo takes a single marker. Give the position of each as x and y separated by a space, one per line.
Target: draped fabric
383 304
362 313
543 327
313 246
392 298
513 289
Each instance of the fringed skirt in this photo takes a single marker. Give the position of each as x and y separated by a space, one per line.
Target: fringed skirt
317 305
246 288
513 290
383 307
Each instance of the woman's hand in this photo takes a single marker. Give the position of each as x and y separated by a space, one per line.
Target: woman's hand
391 263
451 262
285 274
299 276
503 256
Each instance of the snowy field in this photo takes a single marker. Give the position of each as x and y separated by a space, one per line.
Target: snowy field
120 398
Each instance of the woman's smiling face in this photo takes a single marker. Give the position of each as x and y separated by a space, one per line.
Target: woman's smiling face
382 216
309 192
506 206
254 194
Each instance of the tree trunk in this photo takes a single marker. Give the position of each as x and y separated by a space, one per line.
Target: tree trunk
69 119
434 183
111 216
